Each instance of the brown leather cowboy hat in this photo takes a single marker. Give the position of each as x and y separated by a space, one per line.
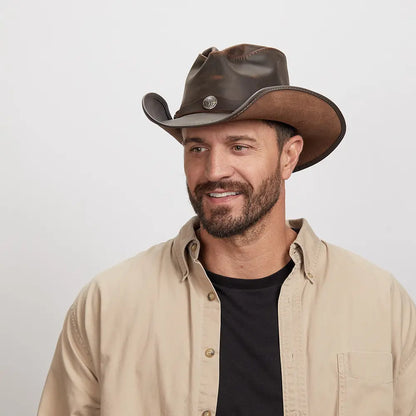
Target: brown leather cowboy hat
251 82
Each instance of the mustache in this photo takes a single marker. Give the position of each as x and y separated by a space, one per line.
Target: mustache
227 186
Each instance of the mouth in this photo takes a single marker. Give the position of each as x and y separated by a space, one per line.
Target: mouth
222 194
223 197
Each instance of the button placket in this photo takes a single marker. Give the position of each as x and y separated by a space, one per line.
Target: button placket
209 342
292 344
285 337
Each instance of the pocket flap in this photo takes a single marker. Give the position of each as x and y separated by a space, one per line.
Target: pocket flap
371 366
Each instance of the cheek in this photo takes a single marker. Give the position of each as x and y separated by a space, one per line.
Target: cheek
187 167
255 171
192 173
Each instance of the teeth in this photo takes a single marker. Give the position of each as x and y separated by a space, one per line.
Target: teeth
222 194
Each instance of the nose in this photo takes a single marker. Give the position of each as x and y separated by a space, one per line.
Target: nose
218 166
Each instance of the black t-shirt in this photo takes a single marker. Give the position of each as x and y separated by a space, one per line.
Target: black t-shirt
250 372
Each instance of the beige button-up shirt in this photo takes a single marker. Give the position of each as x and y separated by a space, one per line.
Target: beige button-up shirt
142 339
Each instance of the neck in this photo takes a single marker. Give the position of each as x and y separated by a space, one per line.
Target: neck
260 251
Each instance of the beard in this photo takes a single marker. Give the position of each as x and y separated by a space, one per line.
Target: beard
220 222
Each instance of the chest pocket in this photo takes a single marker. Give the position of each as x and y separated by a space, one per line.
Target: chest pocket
365 384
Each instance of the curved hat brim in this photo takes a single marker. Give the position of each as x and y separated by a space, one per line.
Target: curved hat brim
316 118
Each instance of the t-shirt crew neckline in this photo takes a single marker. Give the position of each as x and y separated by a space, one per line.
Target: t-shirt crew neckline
274 279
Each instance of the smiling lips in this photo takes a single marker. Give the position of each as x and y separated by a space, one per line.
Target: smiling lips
222 194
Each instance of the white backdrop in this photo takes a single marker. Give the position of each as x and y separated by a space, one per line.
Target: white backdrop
87 181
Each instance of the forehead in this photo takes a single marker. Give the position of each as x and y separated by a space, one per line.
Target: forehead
255 129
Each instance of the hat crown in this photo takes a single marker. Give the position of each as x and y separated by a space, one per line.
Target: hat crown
231 76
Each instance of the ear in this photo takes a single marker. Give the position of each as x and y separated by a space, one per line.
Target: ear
290 155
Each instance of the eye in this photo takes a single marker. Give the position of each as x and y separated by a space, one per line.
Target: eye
198 149
240 147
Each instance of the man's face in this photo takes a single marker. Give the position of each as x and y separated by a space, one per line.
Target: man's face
233 174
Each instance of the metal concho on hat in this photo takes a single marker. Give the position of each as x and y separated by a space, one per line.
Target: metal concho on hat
209 102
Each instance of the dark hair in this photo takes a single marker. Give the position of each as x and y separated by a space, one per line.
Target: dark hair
283 131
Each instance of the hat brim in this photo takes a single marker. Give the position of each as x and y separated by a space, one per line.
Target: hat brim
316 118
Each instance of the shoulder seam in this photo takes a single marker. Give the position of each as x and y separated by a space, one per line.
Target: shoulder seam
74 325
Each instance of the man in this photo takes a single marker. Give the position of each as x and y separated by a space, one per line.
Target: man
242 313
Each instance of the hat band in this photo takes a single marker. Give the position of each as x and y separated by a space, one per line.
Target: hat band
223 105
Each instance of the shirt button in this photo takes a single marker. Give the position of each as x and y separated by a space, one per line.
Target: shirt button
209 352
206 413
211 296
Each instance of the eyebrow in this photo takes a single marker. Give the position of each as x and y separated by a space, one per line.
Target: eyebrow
229 139
192 140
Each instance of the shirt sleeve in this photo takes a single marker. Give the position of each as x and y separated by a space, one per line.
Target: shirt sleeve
72 384
404 351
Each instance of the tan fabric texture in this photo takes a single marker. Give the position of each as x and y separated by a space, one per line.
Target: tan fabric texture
143 338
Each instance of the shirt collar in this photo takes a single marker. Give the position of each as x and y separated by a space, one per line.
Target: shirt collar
305 250
186 244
